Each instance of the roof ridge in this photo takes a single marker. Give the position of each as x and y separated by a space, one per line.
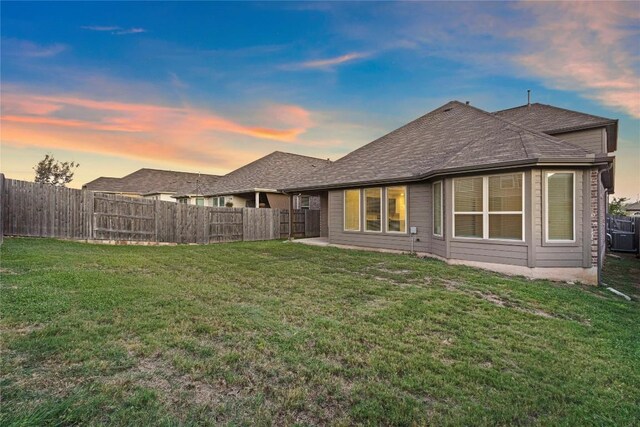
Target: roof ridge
296 154
515 108
171 171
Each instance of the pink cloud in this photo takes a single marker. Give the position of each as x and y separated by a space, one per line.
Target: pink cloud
585 46
155 132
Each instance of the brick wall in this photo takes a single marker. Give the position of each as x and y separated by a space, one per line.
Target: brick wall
594 216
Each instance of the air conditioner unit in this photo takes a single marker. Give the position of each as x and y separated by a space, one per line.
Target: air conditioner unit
622 241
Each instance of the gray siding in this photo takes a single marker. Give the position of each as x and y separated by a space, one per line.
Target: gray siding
554 254
533 252
419 215
593 140
324 215
497 253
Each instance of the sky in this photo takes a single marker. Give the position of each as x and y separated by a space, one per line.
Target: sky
208 87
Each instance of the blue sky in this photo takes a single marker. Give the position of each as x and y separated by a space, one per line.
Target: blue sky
211 86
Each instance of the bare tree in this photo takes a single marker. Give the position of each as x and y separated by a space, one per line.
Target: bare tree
51 171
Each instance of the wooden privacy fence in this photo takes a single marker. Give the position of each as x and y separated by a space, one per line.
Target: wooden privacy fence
30 209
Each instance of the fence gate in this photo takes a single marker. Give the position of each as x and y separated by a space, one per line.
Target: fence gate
123 218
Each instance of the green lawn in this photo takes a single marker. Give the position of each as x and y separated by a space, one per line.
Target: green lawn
280 333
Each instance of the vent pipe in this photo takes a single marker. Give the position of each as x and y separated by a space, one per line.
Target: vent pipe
528 97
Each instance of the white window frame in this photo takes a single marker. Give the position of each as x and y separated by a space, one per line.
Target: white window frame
308 205
344 210
485 210
546 206
433 197
364 192
218 201
406 210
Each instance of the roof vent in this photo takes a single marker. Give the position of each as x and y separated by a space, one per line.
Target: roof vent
528 97
447 109
466 103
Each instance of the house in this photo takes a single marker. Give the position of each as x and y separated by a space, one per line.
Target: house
521 191
154 184
633 209
256 184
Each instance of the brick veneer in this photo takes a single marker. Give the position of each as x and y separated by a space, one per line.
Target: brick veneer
594 217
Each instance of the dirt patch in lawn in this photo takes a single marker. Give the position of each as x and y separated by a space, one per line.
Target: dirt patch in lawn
499 301
23 329
171 386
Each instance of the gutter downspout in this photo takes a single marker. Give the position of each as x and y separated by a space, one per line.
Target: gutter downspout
600 250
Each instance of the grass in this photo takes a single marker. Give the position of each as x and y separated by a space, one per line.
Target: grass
622 272
277 333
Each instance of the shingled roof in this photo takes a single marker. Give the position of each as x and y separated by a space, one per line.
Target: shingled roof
454 137
268 173
151 181
550 119
554 120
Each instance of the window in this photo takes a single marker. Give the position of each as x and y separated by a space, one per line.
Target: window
218 202
396 209
468 207
182 200
305 202
352 210
200 201
489 207
437 208
560 206
505 207
373 209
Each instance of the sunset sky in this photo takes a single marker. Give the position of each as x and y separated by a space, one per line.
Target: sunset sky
209 87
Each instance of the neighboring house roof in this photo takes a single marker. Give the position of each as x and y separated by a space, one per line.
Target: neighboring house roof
151 181
632 207
454 137
554 120
104 183
268 173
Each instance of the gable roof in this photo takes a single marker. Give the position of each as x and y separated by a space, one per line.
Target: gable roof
268 173
454 137
554 120
151 181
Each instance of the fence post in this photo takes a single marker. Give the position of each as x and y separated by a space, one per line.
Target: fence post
243 216
290 217
90 216
155 219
